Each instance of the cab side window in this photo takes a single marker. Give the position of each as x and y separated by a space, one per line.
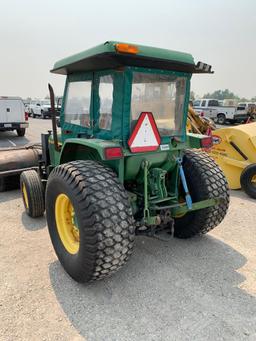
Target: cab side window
106 102
78 101
196 103
213 103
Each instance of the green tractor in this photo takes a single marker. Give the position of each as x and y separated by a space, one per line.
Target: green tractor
123 164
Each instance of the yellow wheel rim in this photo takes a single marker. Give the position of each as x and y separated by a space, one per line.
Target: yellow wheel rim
254 180
66 224
25 194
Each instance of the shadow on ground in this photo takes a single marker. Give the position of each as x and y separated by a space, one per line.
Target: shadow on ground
19 140
9 195
176 290
239 193
33 224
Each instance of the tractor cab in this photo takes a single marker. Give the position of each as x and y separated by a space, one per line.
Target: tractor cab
109 86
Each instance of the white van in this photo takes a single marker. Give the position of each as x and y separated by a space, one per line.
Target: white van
13 115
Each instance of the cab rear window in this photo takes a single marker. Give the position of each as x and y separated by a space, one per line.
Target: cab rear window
163 95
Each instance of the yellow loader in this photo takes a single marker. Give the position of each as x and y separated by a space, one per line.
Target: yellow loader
234 150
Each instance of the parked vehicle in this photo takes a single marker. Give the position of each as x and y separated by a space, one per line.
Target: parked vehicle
40 108
220 114
124 166
246 111
202 110
13 115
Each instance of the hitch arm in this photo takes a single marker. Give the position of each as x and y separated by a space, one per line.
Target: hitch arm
184 184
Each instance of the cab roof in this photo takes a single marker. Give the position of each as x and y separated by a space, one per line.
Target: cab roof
108 56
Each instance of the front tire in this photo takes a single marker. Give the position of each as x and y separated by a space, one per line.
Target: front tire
221 119
21 131
32 193
248 180
89 220
205 181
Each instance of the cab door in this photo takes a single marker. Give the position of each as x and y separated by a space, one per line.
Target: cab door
104 105
77 112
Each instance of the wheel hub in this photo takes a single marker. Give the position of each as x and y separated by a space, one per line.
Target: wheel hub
66 222
253 180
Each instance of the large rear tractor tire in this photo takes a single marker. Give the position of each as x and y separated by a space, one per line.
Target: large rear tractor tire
32 193
205 181
90 220
248 180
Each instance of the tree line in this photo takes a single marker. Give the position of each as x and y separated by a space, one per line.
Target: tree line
223 94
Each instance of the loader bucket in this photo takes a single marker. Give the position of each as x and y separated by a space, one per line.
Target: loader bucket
235 151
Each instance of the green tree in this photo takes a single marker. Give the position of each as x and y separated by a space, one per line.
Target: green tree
221 94
243 99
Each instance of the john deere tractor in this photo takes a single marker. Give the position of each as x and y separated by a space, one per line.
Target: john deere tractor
123 164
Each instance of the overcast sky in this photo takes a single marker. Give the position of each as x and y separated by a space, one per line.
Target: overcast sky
34 34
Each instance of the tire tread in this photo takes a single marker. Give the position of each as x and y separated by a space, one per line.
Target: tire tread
98 192
210 182
35 193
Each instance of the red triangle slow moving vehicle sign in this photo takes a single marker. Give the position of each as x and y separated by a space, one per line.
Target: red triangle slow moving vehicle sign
145 136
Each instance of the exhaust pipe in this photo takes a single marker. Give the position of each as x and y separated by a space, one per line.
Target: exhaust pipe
54 123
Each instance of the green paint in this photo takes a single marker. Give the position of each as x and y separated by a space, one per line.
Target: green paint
183 209
151 179
157 183
194 140
89 57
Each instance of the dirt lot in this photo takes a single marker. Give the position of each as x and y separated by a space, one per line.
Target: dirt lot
199 289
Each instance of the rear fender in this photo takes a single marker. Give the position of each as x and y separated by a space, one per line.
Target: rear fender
89 149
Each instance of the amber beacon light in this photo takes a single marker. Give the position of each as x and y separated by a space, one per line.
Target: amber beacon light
126 48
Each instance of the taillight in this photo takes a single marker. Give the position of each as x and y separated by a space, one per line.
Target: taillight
26 116
113 153
206 142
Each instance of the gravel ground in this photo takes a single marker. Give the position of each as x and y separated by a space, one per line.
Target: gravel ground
36 126
198 289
